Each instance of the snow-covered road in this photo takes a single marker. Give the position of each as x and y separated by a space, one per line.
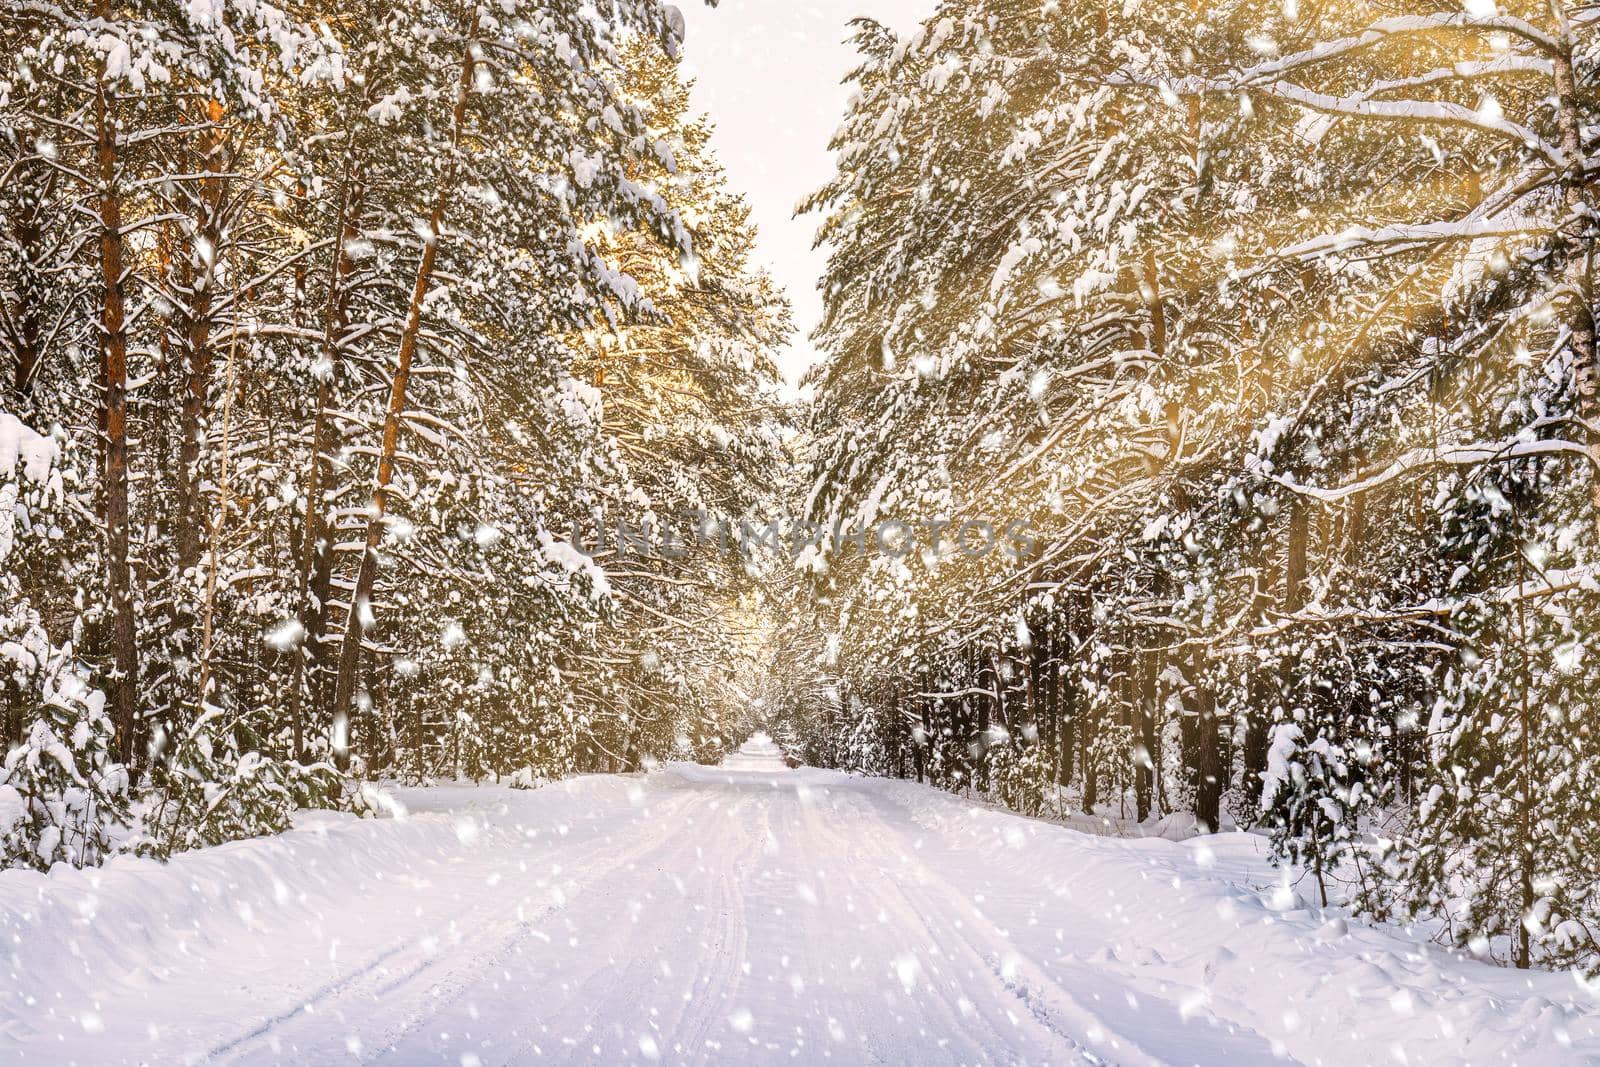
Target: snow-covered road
742 914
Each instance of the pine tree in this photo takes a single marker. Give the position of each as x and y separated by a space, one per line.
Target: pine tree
62 791
221 284
1274 324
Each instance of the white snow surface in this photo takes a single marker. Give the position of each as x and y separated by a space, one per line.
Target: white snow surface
745 914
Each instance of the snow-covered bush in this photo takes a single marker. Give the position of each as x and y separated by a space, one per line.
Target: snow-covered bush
214 784
62 795
1315 791
526 778
1500 852
1112 755
1020 777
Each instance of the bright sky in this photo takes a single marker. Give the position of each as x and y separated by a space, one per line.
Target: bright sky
768 72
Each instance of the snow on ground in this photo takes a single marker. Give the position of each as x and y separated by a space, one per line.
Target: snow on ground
745 914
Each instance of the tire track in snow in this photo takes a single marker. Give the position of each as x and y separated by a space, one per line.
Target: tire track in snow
893 888
708 965
719 965
1047 998
635 926
369 987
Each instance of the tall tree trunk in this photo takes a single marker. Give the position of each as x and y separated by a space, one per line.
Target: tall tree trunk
919 746
1025 663
1256 736
315 563
1526 852
1145 738
1261 695
1585 368
981 771
361 596
905 736
1355 530
1150 291
204 257
926 748
214 562
1294 583
1208 772
1087 723
114 418
1002 709
1066 697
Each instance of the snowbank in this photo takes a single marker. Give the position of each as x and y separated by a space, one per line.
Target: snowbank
75 939
1210 916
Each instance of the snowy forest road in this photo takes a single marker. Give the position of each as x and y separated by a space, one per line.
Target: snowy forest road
740 914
